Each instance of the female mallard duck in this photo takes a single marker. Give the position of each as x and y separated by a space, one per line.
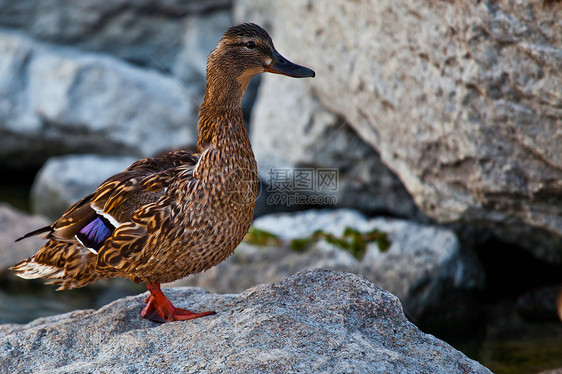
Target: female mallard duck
166 217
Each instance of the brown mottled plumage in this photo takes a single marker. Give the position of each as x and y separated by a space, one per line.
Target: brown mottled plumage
166 217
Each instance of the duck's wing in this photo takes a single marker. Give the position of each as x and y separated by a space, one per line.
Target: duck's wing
85 227
119 196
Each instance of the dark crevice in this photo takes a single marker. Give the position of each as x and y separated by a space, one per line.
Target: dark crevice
511 270
16 186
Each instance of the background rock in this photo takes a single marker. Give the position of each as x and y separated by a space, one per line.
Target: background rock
424 265
64 180
56 100
68 100
317 321
461 100
300 137
158 34
200 35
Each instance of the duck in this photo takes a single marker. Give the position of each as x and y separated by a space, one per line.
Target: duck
179 213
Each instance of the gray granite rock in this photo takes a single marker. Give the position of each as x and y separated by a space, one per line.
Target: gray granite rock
424 265
14 224
460 99
64 180
56 100
315 321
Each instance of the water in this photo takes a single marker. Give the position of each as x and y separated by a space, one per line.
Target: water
527 353
529 349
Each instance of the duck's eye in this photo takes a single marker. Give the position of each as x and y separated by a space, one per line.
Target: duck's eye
250 45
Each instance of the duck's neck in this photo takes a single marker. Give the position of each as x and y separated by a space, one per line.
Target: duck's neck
221 122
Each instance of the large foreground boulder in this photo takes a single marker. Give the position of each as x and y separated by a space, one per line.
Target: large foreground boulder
315 321
461 99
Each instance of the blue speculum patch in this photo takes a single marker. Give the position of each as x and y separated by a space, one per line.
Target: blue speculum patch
94 233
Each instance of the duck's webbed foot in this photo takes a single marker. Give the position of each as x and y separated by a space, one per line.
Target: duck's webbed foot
160 309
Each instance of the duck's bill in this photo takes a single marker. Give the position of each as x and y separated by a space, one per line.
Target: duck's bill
280 65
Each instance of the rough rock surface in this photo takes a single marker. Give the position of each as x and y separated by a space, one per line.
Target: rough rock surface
315 321
423 267
461 99
64 180
14 224
298 144
56 100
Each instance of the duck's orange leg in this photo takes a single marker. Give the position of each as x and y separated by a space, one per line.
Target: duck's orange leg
160 309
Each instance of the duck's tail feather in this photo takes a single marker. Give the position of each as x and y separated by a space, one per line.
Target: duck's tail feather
67 265
36 232
29 269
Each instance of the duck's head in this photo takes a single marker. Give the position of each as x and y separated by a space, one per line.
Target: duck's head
246 50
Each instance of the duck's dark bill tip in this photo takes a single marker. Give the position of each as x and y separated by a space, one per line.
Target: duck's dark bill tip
280 65
309 74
